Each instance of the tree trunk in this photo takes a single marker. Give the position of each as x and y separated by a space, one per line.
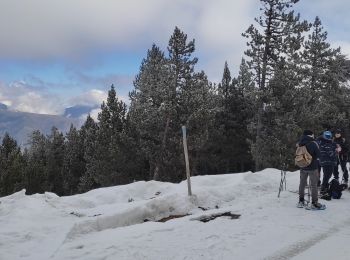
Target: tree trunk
262 86
156 175
258 161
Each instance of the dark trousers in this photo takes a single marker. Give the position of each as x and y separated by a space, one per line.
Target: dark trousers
342 161
327 174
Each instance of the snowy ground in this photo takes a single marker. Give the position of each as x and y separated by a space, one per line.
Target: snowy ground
108 223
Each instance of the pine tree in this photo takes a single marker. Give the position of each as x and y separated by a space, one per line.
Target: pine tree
105 165
12 166
55 158
281 115
316 57
169 94
181 67
324 75
118 151
278 37
198 114
149 108
36 180
230 134
88 133
245 82
74 165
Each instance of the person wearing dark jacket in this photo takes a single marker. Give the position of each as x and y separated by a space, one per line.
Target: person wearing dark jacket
310 171
342 156
328 158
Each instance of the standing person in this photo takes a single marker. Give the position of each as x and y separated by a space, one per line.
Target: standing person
319 165
310 171
342 157
328 158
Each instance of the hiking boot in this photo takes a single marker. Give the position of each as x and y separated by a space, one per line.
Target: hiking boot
325 196
317 206
345 184
301 204
323 191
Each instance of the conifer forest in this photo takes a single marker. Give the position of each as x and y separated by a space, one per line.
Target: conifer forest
290 79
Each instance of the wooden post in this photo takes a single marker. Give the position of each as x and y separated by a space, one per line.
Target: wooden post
186 160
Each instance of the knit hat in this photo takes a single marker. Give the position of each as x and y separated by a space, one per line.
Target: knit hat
308 132
338 131
327 135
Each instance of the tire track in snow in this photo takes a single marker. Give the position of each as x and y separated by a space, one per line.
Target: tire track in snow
300 247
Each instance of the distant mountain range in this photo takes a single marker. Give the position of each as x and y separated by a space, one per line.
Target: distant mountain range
20 125
78 111
3 106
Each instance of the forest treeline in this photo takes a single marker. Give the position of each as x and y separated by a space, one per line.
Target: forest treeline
290 78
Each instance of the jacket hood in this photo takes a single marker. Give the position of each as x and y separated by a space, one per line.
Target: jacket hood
305 139
326 140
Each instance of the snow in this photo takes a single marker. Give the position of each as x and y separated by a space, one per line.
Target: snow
109 223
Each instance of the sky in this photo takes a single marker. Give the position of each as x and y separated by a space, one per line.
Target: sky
60 53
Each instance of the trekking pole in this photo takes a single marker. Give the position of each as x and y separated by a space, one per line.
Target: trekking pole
285 179
188 175
281 185
309 190
283 182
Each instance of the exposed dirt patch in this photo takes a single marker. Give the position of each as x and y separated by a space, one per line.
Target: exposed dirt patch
168 218
171 217
217 215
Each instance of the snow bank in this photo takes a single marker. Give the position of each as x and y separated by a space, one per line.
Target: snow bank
121 222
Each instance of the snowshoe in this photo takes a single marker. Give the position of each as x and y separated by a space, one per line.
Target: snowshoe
344 186
301 204
316 206
325 196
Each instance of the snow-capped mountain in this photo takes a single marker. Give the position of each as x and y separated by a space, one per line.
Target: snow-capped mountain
78 111
156 220
3 106
20 125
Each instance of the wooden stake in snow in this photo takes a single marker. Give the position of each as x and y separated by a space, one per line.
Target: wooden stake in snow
186 160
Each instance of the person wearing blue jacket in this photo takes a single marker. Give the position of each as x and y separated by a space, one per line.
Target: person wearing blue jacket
328 158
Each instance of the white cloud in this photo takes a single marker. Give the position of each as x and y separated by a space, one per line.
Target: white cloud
41 28
94 97
6 102
64 27
56 28
22 97
71 28
93 114
90 98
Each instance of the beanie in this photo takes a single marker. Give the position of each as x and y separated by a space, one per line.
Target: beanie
308 132
338 131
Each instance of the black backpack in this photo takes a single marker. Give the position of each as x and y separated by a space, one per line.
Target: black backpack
335 189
